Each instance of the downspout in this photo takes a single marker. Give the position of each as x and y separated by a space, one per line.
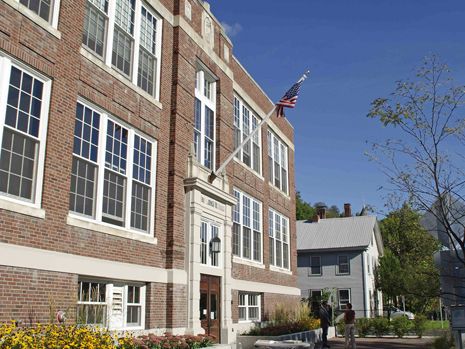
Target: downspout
364 284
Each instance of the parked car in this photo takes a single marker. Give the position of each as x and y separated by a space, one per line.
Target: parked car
396 312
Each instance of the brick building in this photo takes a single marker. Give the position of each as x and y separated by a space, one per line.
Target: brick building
112 115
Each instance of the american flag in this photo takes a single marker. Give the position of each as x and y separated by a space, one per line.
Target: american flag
290 97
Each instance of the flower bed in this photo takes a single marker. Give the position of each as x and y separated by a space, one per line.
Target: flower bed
83 337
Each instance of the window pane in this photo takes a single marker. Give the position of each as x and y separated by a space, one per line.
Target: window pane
95 25
148 30
133 315
246 242
122 51
124 15
24 103
86 131
140 206
82 191
245 211
203 243
116 151
146 72
257 246
208 154
113 198
40 7
18 160
285 256
142 160
236 239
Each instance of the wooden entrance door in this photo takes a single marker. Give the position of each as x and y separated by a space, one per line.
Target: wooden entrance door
210 310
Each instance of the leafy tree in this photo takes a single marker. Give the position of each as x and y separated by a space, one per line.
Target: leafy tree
408 268
424 164
303 209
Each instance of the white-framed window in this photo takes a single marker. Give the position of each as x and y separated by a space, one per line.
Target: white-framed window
204 119
343 298
343 265
315 266
249 307
133 306
24 108
245 121
113 172
208 230
92 303
126 35
277 162
45 9
109 304
247 227
278 231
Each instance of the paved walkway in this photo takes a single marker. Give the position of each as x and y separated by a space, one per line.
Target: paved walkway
384 343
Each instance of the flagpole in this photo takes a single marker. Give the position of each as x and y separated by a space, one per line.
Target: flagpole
214 174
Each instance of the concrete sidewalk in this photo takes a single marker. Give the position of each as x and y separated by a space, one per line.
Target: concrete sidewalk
383 343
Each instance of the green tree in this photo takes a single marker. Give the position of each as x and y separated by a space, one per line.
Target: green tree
303 209
407 269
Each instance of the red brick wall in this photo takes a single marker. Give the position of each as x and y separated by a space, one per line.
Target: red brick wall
29 295
162 297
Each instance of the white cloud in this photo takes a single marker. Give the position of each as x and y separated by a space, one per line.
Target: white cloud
231 29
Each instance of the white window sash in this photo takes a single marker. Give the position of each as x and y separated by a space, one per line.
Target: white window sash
211 104
251 227
101 168
5 71
282 219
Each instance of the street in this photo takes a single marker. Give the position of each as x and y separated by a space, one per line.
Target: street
384 343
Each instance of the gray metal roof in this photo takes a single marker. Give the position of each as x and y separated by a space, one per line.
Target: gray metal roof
347 232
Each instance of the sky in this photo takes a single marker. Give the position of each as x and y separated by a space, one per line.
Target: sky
356 50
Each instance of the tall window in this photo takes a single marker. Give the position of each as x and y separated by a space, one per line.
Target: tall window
315 265
343 266
121 161
278 230
208 231
344 298
24 99
247 227
204 119
249 307
277 162
244 123
133 47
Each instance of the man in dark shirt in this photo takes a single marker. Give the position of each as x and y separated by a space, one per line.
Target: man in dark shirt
349 319
324 322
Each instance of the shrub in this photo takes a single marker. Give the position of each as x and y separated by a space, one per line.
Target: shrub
285 321
419 325
341 327
443 342
363 326
83 337
380 325
401 325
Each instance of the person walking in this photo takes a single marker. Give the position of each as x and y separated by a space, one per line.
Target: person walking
349 319
324 322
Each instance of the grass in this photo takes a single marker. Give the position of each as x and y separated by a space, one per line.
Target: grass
436 325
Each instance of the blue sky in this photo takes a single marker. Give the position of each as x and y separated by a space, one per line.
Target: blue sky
356 50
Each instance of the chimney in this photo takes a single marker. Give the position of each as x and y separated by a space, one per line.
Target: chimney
347 210
321 212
